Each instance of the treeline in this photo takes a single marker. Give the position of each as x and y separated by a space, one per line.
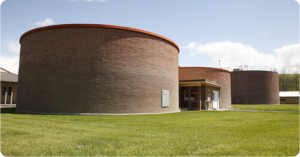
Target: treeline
288 82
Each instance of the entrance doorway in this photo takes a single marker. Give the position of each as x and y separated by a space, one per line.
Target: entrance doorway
215 100
190 97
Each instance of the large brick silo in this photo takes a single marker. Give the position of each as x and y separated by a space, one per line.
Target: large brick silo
209 79
255 87
96 69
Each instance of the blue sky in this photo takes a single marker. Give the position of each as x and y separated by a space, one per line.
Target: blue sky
236 32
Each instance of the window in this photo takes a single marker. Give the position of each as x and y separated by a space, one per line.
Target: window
4 90
282 99
9 90
192 96
186 97
184 89
194 88
208 95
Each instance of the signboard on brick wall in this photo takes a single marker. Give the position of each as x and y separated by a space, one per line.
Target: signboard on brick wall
165 98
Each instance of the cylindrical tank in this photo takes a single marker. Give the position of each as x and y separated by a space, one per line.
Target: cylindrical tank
91 68
254 87
220 76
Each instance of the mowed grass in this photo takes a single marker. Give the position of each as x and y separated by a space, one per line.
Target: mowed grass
190 133
281 107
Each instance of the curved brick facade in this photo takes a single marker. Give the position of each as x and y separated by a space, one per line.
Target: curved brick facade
255 87
96 69
217 75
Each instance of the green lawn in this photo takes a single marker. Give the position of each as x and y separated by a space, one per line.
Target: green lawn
281 107
190 133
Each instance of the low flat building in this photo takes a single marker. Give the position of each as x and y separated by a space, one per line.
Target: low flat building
289 97
203 88
9 85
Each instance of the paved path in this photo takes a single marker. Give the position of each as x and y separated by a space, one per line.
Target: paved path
233 109
7 105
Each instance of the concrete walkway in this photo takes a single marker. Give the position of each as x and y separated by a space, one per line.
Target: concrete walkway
233 109
7 105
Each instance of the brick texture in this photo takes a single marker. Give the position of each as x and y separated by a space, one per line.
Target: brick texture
213 74
255 87
96 70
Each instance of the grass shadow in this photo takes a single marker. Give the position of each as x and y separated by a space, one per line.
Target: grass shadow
9 110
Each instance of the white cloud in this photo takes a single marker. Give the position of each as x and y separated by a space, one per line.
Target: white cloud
192 45
10 63
263 32
13 46
288 56
46 22
192 55
88 0
236 54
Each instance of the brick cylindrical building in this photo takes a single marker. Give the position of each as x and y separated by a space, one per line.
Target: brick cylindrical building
209 79
96 69
255 87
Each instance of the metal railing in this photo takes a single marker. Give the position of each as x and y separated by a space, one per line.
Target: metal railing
250 68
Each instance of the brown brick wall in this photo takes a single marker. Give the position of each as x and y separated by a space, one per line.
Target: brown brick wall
214 74
96 70
255 87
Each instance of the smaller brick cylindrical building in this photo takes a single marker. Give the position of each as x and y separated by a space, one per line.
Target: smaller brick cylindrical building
254 87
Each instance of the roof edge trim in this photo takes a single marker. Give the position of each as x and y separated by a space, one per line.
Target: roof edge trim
206 68
98 26
206 81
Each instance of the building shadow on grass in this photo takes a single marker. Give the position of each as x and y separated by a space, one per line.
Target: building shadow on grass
9 110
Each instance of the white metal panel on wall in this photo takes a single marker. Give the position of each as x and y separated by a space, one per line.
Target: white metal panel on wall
165 98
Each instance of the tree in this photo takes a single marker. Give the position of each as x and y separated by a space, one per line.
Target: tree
289 82
297 77
282 79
